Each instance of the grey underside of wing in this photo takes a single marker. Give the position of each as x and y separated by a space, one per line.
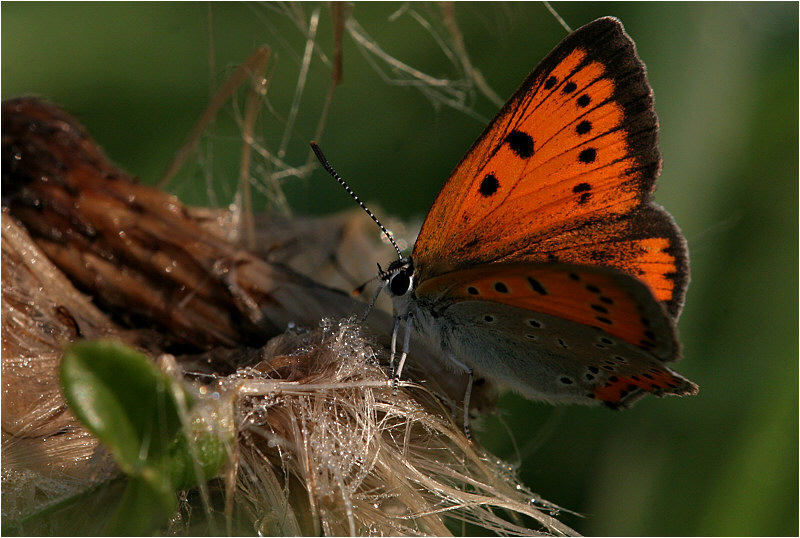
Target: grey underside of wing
540 356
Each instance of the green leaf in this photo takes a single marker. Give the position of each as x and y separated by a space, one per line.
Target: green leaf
135 410
199 455
123 399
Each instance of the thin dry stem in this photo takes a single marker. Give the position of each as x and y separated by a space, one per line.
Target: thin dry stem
242 73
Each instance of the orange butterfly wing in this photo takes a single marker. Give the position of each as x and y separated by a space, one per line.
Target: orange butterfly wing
592 296
565 173
621 307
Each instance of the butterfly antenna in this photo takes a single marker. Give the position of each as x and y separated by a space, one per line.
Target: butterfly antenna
327 166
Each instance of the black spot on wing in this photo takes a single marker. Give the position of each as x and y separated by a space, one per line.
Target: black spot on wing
500 287
489 185
537 286
588 155
520 143
584 190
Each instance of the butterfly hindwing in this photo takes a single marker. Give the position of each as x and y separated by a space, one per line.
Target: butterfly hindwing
572 154
604 299
551 358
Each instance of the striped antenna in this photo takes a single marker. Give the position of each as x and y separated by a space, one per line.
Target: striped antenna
327 166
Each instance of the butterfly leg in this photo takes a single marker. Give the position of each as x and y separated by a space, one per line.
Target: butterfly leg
404 355
371 305
395 330
395 376
467 393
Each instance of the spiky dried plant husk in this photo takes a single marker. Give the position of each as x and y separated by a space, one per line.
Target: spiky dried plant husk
326 446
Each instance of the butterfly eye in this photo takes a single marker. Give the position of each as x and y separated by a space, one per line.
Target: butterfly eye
400 283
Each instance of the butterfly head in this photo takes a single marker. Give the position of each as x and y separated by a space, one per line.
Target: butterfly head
399 277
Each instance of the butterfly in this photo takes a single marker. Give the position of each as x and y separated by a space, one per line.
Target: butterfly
544 265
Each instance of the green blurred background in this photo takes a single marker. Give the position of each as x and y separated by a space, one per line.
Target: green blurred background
725 77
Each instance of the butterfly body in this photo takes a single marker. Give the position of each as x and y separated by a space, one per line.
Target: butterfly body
543 263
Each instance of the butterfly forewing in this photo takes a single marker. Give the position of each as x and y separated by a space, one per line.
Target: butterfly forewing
570 161
645 243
